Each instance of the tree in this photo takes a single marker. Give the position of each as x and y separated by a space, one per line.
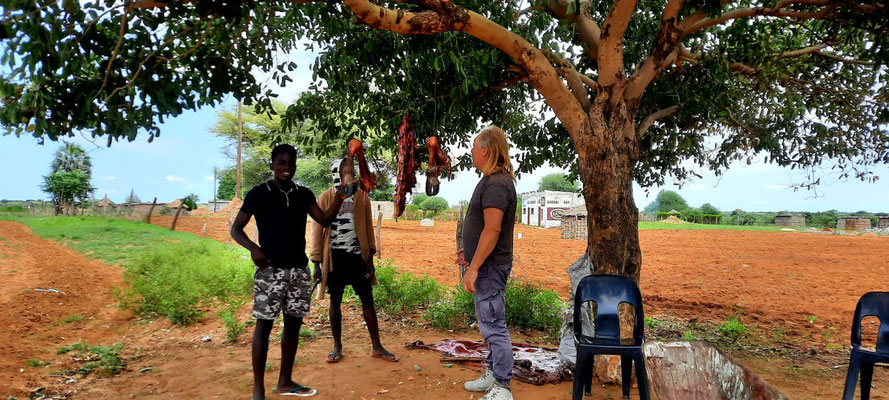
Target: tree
666 201
71 157
637 88
434 205
65 187
418 199
226 189
558 182
709 209
190 201
71 168
384 189
132 198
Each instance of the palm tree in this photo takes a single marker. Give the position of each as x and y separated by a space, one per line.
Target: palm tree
71 157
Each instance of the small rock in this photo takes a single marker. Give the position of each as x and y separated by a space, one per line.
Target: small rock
206 338
382 391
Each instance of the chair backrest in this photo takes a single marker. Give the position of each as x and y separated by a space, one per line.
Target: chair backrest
609 291
873 304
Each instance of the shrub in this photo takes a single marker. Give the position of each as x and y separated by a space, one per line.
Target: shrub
175 279
233 328
732 329
526 307
397 293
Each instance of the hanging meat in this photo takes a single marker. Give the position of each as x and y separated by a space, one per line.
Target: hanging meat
437 161
408 163
368 178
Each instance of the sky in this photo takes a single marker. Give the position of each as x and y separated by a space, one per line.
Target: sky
182 159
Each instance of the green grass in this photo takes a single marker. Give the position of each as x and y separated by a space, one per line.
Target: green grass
732 329
73 318
172 274
104 360
527 306
397 293
112 240
233 328
35 363
691 226
179 280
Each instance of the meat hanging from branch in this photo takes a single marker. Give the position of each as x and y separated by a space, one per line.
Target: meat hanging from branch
408 163
437 161
368 178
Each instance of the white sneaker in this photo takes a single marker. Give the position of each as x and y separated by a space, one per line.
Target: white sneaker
482 384
498 393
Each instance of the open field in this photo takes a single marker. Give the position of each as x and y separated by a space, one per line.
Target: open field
795 291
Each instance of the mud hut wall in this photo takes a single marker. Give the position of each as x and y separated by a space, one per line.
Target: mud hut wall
853 224
883 223
574 227
790 220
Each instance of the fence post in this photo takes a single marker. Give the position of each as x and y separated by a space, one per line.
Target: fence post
178 210
151 210
255 230
204 230
379 224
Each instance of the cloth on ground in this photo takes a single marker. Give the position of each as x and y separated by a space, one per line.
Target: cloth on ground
533 364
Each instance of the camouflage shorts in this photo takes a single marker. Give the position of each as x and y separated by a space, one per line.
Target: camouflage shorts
274 288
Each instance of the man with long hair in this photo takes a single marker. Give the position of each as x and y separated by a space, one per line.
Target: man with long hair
488 244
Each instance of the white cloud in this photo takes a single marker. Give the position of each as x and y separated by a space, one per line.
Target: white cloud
108 178
209 178
174 178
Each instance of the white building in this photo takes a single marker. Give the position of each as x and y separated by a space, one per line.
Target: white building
545 207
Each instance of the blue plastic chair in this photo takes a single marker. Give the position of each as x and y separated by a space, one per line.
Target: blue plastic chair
873 304
609 291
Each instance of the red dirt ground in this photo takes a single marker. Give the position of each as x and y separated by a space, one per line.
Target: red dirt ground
774 279
182 365
779 279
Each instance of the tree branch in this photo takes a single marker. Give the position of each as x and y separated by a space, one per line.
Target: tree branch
541 74
575 83
662 54
123 30
651 118
587 30
159 4
778 11
611 49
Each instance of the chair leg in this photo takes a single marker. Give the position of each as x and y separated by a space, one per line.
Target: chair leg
867 375
626 374
851 377
642 376
588 376
579 378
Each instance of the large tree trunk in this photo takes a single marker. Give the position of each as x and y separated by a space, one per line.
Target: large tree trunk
606 169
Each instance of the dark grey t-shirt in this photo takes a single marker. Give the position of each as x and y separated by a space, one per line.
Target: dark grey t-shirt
496 190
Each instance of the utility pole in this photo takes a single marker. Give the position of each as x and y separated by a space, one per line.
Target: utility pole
238 177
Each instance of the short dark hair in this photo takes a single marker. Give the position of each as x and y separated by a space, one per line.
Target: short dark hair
281 148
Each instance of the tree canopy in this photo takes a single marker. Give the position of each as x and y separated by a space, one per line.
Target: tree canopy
666 201
616 91
558 182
